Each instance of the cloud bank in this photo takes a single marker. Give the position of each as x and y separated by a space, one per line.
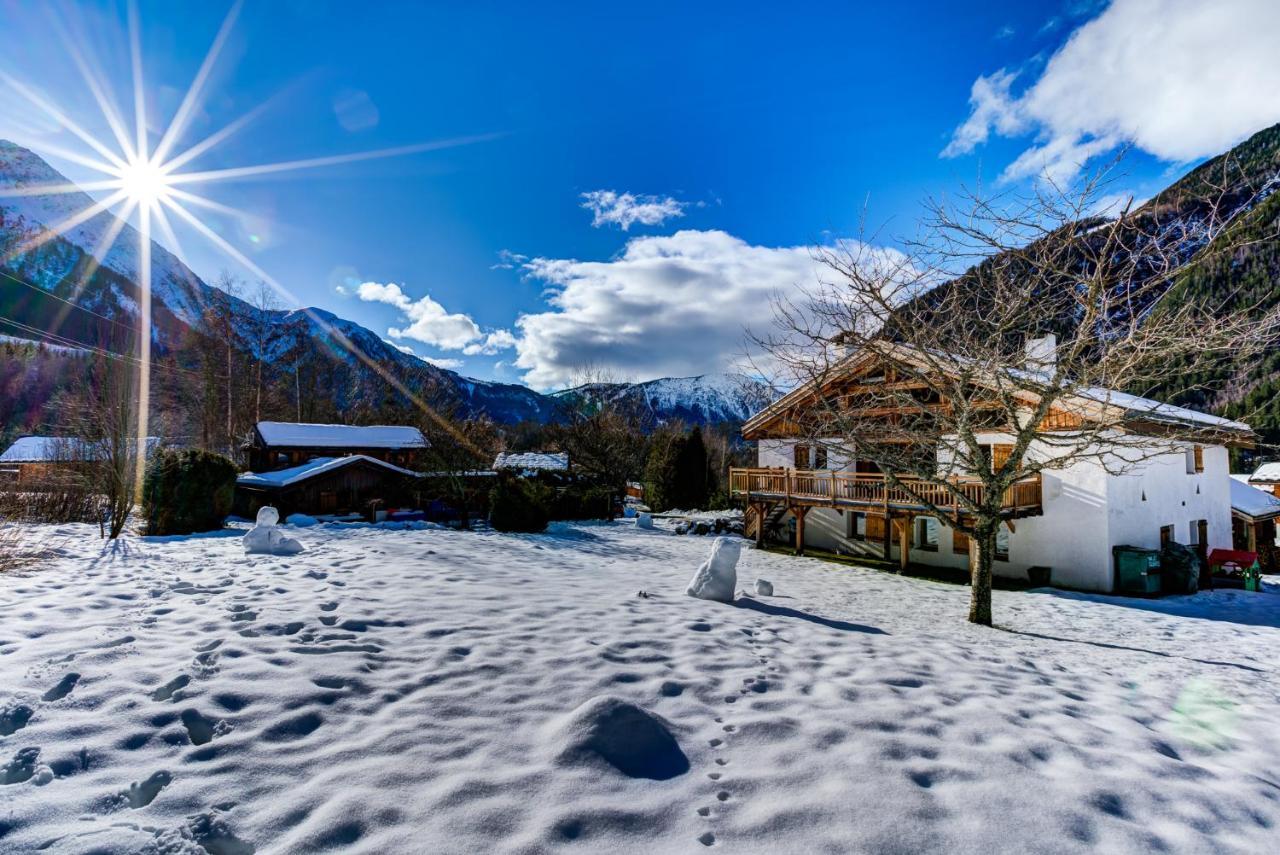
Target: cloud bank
1179 79
430 323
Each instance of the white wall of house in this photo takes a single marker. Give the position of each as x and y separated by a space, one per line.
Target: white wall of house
1087 511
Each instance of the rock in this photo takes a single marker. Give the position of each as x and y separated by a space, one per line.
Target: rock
608 730
644 520
700 527
764 588
265 539
717 577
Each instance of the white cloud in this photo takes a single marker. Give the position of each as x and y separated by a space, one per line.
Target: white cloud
430 322
673 305
440 362
508 260
1180 79
492 343
610 207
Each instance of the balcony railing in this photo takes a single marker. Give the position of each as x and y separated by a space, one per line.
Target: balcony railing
868 491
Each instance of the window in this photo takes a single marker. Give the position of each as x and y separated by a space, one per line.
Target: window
927 534
959 542
1002 543
856 525
995 455
820 457
801 457
1166 535
1193 532
1195 460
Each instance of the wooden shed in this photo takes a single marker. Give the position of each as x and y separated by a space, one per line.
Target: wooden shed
1253 521
355 484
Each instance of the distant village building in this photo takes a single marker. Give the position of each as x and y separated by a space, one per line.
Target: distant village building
1064 521
1253 521
1267 477
329 469
36 462
528 463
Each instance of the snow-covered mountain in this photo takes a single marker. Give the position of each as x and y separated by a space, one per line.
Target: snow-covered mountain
705 399
93 280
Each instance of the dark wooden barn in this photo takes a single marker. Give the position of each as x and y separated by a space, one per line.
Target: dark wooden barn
354 484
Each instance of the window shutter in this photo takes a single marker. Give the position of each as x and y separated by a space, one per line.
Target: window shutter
875 527
959 542
999 456
820 458
801 457
1199 452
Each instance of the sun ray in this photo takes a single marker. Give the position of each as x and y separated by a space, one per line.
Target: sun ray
144 347
69 223
330 330
210 204
178 124
77 157
218 136
96 257
331 160
61 117
60 189
139 89
107 104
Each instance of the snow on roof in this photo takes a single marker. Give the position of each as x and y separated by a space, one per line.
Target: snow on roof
286 477
1266 472
1160 411
1250 500
533 460
50 449
341 436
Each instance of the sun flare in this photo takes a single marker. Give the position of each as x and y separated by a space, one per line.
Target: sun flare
145 183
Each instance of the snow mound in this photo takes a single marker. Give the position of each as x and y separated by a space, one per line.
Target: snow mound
300 520
764 588
644 520
637 743
717 577
265 539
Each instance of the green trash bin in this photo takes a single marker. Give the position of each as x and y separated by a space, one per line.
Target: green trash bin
1137 570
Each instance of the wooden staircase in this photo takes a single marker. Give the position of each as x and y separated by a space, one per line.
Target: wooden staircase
772 519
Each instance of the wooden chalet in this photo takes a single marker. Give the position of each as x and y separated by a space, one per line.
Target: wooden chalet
849 506
49 462
1253 521
329 469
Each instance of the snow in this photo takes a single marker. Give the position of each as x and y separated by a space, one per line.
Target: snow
1252 501
764 588
717 577
294 474
1160 411
291 434
532 461
434 690
46 449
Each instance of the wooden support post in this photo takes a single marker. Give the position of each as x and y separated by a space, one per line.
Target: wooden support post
762 513
887 537
904 543
800 512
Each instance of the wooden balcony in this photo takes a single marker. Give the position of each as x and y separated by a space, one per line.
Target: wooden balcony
869 493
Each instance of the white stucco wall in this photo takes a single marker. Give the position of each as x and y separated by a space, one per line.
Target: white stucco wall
1087 511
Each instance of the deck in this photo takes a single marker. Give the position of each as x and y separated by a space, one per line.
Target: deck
867 492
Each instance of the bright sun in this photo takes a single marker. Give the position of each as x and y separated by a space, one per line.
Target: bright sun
145 183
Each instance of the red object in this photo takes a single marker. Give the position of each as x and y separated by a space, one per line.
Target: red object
1238 557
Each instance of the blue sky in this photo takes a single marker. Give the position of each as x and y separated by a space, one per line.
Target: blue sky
768 128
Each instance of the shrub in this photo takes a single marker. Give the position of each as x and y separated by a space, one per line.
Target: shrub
187 491
582 502
518 504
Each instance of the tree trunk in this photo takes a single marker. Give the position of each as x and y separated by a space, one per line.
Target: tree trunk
982 547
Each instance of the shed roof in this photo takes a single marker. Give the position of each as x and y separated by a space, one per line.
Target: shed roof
296 434
533 460
52 449
1252 502
296 474
1267 472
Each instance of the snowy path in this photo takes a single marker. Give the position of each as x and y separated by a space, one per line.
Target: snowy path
407 691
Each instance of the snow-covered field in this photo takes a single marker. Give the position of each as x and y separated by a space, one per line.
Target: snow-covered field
415 691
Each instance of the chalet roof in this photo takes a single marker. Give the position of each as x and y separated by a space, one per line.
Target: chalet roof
1130 406
52 449
287 477
540 461
1266 473
1251 502
300 435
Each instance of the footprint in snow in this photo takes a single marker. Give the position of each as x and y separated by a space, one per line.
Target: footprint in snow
165 692
141 794
64 687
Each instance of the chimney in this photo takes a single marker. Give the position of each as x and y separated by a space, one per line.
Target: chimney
1042 353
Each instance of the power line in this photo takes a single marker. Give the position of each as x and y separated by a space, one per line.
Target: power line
48 293
55 339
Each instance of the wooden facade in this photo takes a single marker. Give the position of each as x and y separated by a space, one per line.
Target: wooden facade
358 487
264 456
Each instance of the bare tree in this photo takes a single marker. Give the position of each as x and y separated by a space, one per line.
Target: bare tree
936 365
603 435
265 334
